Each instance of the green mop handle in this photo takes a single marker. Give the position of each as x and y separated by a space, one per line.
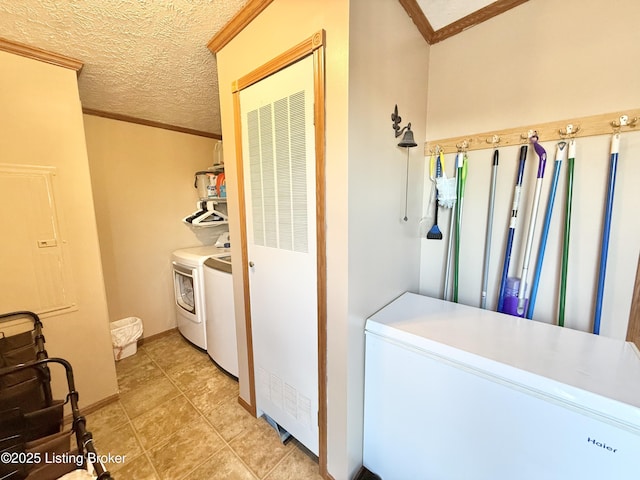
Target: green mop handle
462 177
567 232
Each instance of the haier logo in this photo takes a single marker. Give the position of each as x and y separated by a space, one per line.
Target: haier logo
601 445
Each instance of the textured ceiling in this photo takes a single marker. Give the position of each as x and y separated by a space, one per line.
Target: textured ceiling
142 58
148 58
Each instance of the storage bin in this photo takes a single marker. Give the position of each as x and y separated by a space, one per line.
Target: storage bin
124 337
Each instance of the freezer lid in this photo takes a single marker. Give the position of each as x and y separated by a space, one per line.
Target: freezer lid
496 343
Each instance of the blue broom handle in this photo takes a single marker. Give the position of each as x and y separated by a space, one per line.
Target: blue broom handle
560 155
615 146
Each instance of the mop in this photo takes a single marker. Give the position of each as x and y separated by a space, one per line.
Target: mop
606 230
542 154
567 231
512 227
462 180
561 154
487 241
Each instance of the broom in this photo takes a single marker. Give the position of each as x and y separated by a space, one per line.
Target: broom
435 233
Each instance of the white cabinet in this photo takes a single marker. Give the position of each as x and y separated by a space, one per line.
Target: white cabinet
36 269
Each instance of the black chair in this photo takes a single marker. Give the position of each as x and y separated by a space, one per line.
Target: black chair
31 421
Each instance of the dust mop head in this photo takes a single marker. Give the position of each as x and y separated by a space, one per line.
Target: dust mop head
446 191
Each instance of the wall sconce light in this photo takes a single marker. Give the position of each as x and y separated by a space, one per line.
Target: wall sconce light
407 140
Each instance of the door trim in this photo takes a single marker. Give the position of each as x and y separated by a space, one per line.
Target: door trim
315 46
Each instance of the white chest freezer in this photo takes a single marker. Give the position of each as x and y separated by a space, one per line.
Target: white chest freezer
458 393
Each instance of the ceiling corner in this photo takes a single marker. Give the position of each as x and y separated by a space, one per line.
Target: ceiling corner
419 19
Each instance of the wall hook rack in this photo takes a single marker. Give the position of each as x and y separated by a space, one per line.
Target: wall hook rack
588 126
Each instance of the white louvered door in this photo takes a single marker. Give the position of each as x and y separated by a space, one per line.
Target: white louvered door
278 147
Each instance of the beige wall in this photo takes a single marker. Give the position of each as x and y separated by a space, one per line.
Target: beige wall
384 70
41 124
543 61
142 181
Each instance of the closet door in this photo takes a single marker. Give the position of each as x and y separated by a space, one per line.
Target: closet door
278 146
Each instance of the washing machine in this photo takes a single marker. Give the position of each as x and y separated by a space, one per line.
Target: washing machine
188 283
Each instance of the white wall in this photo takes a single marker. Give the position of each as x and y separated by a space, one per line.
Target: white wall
543 61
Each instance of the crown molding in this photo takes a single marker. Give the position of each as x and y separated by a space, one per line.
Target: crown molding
39 54
492 10
424 27
149 123
243 18
419 19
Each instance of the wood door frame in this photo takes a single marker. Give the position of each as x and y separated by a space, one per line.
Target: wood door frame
314 45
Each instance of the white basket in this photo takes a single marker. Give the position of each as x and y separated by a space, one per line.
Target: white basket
124 337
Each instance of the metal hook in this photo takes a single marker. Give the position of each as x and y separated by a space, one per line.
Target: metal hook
570 131
618 124
524 137
623 121
495 140
463 147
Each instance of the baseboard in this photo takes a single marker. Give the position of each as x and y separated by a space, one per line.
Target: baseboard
365 474
249 408
156 336
93 407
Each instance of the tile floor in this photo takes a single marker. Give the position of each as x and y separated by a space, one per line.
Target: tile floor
178 418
